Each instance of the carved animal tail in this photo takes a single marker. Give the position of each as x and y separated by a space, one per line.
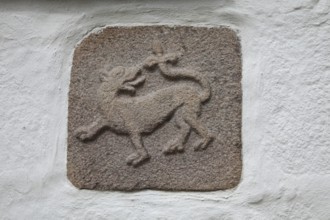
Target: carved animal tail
189 74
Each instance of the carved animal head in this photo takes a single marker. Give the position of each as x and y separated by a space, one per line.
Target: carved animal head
122 78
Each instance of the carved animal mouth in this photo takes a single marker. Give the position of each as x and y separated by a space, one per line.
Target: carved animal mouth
135 78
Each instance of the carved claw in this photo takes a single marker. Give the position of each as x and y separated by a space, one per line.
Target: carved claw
203 144
180 148
198 144
131 158
136 159
173 148
207 142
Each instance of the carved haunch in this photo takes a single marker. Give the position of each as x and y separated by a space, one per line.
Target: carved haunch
140 115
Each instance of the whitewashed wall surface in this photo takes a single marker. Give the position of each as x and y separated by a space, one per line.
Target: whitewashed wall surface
286 109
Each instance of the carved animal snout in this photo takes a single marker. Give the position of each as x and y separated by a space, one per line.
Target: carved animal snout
131 73
133 79
122 79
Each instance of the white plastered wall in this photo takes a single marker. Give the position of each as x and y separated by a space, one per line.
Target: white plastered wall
286 109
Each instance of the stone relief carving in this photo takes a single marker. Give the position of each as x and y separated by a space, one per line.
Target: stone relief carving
140 115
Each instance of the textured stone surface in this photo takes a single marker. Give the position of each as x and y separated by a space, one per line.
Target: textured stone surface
156 108
285 123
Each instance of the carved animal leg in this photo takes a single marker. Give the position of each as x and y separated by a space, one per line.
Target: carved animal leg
177 145
192 120
86 133
141 153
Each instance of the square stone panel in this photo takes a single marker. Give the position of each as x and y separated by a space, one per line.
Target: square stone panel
156 107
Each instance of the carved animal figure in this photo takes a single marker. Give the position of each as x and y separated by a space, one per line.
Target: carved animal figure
139 115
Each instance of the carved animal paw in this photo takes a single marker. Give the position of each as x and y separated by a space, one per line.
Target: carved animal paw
135 159
173 147
203 144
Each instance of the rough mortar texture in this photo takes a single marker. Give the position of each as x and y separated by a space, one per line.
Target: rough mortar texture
285 123
178 110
